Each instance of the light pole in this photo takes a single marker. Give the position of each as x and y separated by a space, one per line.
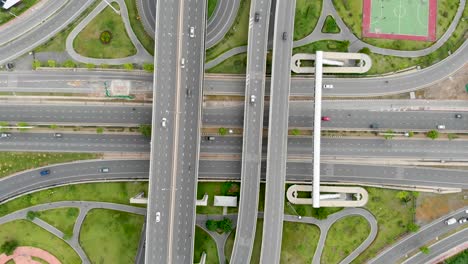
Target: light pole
294 210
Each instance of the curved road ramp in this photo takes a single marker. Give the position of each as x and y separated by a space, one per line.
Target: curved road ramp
335 197
342 62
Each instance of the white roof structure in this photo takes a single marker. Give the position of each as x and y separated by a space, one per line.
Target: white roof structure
225 201
6 4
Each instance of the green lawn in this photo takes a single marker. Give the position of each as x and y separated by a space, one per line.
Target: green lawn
204 243
211 7
12 162
5 16
306 17
323 45
216 188
236 36
115 192
61 218
392 217
109 236
351 13
344 237
57 42
299 242
307 210
29 234
88 44
330 26
146 40
235 65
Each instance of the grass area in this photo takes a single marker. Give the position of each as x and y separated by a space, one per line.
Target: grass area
236 64
109 236
38 260
211 7
351 13
461 258
12 162
216 188
115 192
323 45
146 40
344 236
256 247
29 234
236 36
204 243
88 42
18 9
61 218
299 242
330 26
306 17
393 218
57 42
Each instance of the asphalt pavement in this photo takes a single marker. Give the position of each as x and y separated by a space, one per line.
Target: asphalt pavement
278 132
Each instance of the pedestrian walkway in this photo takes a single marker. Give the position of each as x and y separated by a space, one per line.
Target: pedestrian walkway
23 255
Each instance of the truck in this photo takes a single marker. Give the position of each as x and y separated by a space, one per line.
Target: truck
450 221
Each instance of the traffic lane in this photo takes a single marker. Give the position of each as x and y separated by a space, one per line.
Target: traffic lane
76 76
75 114
417 240
72 172
440 248
74 142
368 147
336 172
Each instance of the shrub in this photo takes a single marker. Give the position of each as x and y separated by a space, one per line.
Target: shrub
411 134
222 131
22 126
433 134
51 63
90 66
225 225
425 250
211 225
365 50
412 227
105 37
99 130
128 66
145 130
36 64
30 215
69 64
295 132
148 67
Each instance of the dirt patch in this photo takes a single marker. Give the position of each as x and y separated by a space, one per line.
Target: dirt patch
452 87
431 206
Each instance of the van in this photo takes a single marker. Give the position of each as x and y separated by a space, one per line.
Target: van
450 221
440 126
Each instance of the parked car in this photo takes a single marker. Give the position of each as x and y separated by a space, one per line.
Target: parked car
462 220
326 118
45 172
104 170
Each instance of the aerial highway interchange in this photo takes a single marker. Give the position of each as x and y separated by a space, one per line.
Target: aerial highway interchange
185 108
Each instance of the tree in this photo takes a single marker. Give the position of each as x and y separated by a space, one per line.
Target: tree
295 132
149 67
69 64
222 131
9 247
53 126
99 130
411 134
128 66
433 134
211 225
145 130
22 126
412 227
36 64
389 134
51 63
425 250
30 215
319 213
404 196
225 225
90 66
365 50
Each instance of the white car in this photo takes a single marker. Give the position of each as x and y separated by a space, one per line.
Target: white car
163 122
158 217
440 126
462 220
450 221
252 98
192 32
182 63
328 86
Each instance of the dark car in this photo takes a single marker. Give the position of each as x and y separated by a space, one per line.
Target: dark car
458 116
374 125
45 172
10 66
285 36
257 17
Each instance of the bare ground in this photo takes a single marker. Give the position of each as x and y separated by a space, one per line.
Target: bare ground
452 87
430 206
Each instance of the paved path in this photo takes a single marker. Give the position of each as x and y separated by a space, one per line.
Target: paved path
23 255
346 34
84 207
141 55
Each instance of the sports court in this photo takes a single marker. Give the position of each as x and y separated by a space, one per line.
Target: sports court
400 19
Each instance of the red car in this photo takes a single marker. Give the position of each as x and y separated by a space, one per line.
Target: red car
325 118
